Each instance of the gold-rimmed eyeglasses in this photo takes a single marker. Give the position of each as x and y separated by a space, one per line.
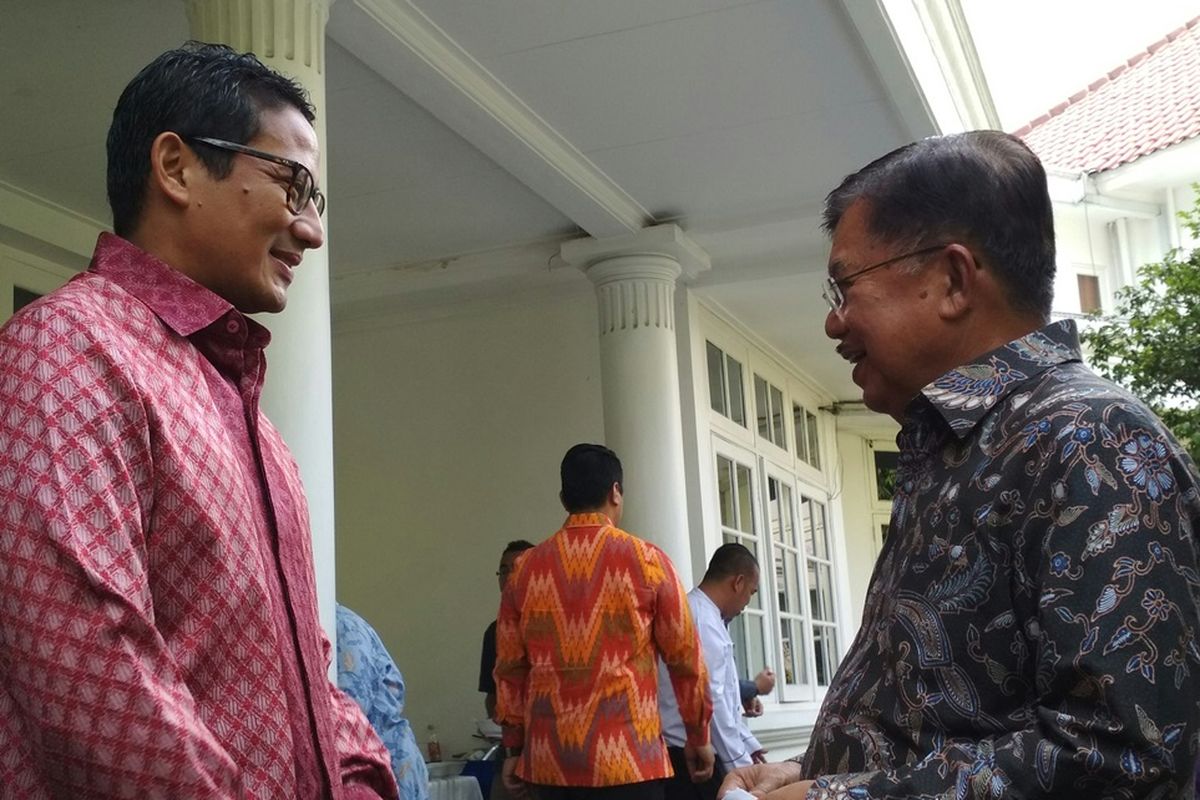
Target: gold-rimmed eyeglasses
834 290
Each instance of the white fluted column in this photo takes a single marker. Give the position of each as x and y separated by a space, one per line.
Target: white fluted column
289 37
635 279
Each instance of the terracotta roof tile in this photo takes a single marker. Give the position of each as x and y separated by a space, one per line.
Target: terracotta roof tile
1150 102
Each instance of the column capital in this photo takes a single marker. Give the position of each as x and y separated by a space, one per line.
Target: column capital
656 248
289 31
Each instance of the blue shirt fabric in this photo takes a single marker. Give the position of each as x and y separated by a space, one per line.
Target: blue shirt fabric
1031 626
369 676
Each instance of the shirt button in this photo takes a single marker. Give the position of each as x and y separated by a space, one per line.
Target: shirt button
232 326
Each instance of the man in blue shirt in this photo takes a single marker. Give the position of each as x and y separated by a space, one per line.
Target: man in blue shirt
369 676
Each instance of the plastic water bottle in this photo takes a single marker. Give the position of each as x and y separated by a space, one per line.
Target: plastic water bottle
433 746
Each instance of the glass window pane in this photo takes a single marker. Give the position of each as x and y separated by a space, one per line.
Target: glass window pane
725 492
782 600
886 465
820 591
774 521
756 598
806 530
745 516
792 574
802 651
814 442
761 408
791 674
737 403
820 540
800 432
749 643
716 379
795 670
787 519
777 434
825 651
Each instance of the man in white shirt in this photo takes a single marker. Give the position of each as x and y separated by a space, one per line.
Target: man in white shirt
728 585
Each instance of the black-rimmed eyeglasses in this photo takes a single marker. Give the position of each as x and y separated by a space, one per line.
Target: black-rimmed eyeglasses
301 188
834 293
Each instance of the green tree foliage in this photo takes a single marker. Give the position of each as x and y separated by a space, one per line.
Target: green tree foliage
1151 343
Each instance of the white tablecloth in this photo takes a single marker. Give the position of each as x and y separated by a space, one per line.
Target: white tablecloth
459 787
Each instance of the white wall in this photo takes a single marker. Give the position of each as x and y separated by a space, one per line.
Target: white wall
448 434
857 510
1077 252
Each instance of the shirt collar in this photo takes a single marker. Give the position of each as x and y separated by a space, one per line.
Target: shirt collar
183 305
589 518
703 598
964 395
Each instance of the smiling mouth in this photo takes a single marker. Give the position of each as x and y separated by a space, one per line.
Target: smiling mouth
853 356
292 260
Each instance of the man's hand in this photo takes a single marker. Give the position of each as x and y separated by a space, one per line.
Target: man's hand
764 681
759 779
759 756
699 762
508 774
752 707
793 791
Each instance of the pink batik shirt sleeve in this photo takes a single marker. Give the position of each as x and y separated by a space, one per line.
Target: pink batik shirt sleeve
92 698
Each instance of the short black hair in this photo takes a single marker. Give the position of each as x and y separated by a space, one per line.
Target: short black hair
516 546
588 472
985 189
731 559
196 90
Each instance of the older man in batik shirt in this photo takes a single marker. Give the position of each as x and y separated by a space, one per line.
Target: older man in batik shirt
1030 629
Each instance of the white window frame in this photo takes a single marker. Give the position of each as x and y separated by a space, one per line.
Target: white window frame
733 348
881 509
787 705
803 688
759 609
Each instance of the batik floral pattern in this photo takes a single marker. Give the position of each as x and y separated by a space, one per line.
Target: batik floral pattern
1031 627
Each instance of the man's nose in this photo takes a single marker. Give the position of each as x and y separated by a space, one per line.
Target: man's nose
835 326
308 227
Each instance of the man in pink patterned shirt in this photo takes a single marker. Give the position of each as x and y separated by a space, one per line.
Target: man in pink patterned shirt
158 615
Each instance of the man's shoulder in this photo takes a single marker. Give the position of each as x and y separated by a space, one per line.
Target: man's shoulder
646 551
89 308
1072 409
1068 390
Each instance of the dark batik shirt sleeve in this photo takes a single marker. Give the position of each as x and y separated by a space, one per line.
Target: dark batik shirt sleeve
1036 629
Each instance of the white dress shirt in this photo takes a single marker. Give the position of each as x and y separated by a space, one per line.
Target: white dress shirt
731 739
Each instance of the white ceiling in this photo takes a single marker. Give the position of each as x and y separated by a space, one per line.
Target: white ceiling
467 139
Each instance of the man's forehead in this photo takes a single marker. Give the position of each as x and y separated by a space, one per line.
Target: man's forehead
286 128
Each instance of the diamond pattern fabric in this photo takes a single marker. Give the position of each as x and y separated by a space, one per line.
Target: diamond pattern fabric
158 619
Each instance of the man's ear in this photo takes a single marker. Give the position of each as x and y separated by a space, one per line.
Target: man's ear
961 282
172 163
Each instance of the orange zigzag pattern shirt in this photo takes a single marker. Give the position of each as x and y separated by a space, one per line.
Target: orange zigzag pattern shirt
582 617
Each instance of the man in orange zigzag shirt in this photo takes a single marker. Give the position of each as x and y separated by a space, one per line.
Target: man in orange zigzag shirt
582 618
